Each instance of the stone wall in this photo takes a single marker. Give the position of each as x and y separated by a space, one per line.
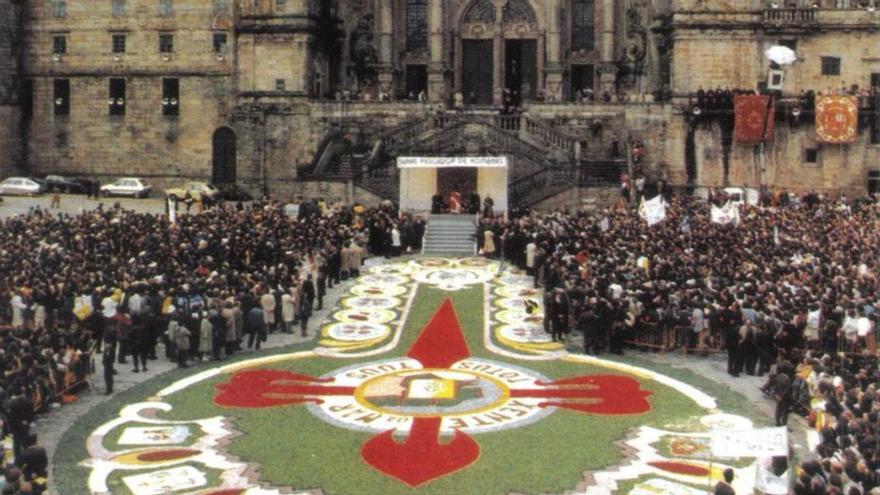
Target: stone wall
143 142
592 198
838 168
10 116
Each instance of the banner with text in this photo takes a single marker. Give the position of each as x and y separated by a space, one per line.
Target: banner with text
452 162
760 443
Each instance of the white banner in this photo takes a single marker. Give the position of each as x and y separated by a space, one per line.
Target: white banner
765 442
452 161
653 211
768 483
725 215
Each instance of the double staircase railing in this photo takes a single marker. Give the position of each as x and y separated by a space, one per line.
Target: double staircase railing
406 135
554 153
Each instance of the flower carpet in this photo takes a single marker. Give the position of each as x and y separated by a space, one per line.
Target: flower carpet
430 377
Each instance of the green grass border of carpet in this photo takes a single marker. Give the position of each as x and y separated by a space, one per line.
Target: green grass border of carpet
71 478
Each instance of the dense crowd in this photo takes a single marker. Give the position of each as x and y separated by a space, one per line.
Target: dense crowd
791 290
112 284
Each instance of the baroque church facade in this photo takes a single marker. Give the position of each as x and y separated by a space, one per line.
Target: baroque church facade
311 97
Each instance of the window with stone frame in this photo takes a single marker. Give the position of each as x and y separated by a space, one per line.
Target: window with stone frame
61 96
117 43
117 8
166 43
219 42
59 8
221 6
116 97
583 29
416 25
171 97
518 11
166 8
59 44
830 66
481 11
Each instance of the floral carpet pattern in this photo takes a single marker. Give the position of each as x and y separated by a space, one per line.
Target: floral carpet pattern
431 375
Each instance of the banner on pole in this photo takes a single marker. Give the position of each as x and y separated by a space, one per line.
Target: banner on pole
653 211
764 442
837 119
753 114
727 214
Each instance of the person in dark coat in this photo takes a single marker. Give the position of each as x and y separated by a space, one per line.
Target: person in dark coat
255 325
308 290
140 338
108 360
784 398
588 324
19 415
304 312
559 319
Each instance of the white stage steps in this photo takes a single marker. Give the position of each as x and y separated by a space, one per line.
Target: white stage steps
450 235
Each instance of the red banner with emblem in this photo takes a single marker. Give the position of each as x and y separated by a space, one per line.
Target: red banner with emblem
752 115
837 119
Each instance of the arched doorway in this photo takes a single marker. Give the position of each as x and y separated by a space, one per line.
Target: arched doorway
501 52
223 156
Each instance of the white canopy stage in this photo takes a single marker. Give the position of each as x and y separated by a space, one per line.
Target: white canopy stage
419 179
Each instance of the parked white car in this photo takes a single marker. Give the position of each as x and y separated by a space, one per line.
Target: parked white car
127 186
22 186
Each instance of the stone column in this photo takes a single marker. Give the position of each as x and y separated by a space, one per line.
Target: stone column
498 65
553 64
607 69
436 62
386 47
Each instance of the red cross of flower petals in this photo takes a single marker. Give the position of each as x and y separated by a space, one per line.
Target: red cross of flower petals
422 456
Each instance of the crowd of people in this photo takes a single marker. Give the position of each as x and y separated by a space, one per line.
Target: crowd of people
109 285
792 290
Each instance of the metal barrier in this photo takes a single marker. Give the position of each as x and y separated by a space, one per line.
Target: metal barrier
659 337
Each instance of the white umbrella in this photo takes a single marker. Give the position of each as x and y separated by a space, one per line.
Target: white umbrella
781 55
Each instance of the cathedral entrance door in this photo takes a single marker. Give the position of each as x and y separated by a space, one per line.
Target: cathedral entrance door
477 71
520 69
223 156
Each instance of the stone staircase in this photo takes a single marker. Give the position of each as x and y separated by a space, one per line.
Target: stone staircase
450 235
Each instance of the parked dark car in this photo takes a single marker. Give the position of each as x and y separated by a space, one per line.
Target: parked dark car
63 184
231 192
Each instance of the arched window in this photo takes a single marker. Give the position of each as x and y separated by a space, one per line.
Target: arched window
518 11
481 11
416 25
583 19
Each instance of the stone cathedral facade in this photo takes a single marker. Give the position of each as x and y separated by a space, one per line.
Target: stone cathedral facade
309 97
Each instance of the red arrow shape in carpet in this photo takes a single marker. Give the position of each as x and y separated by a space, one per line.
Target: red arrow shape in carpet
422 457
441 343
596 394
269 388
